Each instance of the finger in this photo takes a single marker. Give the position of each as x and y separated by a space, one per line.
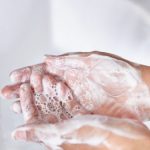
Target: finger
45 133
36 78
20 75
10 91
27 103
26 133
53 98
48 82
16 107
34 132
49 91
23 74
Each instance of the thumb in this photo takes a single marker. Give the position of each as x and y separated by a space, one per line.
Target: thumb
27 133
44 133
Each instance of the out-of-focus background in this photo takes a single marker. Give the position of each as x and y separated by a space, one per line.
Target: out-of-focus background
31 28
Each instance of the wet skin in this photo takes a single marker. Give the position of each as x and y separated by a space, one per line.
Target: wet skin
85 83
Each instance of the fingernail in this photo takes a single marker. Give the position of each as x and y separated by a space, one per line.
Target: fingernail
17 76
19 135
5 93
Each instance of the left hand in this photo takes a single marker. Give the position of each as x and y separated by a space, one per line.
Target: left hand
90 132
87 132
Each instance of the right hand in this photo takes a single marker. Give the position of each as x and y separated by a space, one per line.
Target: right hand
99 83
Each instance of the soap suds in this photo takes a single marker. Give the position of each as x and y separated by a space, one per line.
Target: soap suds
104 80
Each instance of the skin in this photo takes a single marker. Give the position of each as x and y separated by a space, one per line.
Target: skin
61 71
108 133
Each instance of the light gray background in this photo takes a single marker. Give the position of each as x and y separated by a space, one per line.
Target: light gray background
31 28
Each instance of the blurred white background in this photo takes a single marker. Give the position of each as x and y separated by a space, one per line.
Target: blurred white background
31 28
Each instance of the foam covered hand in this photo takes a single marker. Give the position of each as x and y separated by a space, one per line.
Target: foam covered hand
95 82
90 132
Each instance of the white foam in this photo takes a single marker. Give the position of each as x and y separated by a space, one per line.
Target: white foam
105 79
63 130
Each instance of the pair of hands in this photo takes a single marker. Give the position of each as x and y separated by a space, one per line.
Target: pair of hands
70 85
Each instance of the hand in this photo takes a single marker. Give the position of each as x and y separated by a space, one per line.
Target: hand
90 132
99 83
80 132
48 106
